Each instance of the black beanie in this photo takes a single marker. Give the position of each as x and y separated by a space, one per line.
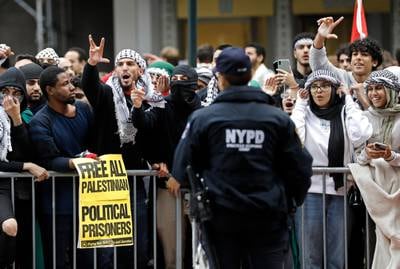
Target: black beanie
31 71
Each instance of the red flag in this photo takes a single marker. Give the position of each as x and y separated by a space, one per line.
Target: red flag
359 29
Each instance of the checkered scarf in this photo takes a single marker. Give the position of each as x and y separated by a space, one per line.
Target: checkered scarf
322 74
385 77
131 54
387 114
212 92
48 53
5 135
126 130
158 71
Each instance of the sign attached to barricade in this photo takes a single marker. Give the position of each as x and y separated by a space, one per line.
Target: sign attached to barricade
105 217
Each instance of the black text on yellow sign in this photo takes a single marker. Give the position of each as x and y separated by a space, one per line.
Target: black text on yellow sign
105 217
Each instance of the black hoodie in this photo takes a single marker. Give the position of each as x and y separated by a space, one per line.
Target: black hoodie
19 135
13 77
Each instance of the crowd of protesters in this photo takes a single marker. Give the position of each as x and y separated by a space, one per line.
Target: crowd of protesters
54 109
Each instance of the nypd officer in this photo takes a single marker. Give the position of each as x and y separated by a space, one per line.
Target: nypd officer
252 162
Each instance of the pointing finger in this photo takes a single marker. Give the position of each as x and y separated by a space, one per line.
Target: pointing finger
338 21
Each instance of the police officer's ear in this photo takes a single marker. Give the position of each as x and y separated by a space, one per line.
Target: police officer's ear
222 82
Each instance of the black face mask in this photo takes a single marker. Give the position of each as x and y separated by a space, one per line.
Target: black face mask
183 91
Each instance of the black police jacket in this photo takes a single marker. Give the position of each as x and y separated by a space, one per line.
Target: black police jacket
247 151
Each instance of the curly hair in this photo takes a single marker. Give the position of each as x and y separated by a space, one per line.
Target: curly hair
370 46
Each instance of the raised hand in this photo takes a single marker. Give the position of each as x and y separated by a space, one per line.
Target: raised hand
96 52
137 97
12 108
343 90
284 77
5 51
326 26
270 86
303 94
151 58
162 84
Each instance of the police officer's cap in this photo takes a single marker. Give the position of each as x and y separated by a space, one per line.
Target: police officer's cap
233 61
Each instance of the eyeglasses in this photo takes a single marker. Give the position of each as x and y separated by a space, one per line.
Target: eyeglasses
323 87
288 95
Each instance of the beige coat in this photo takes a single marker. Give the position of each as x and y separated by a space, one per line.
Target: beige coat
379 184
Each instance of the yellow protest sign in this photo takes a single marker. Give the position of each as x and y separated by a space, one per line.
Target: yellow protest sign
105 217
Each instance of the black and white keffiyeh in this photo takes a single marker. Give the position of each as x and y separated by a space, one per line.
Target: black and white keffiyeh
48 53
385 77
5 135
322 74
212 92
131 54
126 130
158 71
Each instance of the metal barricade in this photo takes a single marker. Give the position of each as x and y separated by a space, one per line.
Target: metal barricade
137 175
316 171
324 171
179 249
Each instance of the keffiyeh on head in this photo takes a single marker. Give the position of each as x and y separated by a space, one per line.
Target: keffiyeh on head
158 71
165 66
126 130
388 113
385 77
48 53
322 74
131 54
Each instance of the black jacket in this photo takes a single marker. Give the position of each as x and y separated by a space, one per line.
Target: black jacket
20 142
104 137
300 79
163 128
247 151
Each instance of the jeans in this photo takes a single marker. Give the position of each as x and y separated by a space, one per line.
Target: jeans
313 231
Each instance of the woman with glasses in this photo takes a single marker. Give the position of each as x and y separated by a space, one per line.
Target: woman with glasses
14 157
330 125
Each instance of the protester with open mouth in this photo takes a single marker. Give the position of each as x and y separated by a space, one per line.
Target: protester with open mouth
330 125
